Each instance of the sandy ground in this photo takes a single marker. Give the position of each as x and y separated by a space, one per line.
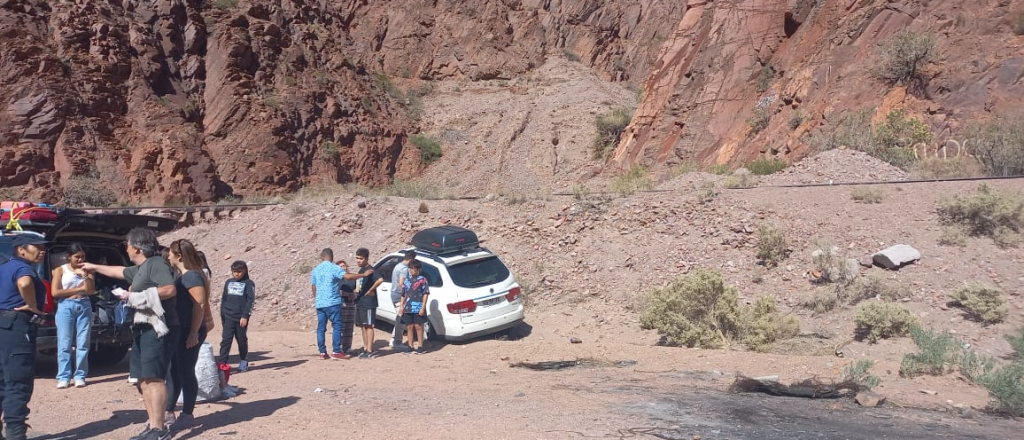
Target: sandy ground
469 391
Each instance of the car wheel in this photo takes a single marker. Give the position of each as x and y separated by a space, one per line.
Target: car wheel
106 355
429 333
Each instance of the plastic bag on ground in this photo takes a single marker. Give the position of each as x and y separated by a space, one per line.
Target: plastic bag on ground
208 375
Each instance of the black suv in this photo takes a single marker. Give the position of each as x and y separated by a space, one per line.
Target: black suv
103 236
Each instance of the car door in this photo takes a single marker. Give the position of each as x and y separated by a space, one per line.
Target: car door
385 308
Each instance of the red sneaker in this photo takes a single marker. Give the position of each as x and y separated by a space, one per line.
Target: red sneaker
341 356
324 356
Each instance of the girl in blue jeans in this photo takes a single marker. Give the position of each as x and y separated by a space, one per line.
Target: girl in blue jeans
72 288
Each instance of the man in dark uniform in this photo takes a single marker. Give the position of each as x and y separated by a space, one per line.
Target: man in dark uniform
21 296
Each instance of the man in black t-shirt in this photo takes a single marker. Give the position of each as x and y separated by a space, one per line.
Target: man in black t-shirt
150 356
366 300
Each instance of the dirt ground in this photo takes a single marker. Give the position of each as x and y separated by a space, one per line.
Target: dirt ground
586 263
469 391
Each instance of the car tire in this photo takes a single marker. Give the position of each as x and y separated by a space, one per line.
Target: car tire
429 333
106 355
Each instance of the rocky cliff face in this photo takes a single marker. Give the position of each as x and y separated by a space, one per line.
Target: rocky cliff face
709 78
188 100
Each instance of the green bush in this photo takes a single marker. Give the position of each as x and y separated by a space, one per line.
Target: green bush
981 302
1006 386
947 168
764 166
87 192
696 310
901 57
1018 23
609 130
1016 340
706 192
871 286
329 149
765 78
999 146
735 181
796 119
953 236
860 373
882 320
822 300
894 138
636 179
225 4
759 120
832 267
987 213
976 367
430 149
937 353
867 195
772 246
719 169
851 129
761 324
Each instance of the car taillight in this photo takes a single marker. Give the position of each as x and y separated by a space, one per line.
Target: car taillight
48 306
513 294
467 306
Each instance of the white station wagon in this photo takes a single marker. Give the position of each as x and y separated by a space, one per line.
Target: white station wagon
472 292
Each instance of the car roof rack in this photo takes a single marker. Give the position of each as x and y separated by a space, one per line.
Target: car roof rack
439 256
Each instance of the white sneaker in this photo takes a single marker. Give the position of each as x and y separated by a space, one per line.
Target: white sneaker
391 343
243 366
79 383
62 384
133 380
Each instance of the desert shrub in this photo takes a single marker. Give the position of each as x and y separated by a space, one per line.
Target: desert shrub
947 168
1018 23
764 166
765 78
706 192
901 57
759 120
413 190
299 209
882 320
867 195
304 269
580 192
272 101
87 191
976 367
225 4
609 129
860 373
987 213
953 236
636 179
893 139
743 180
772 246
981 302
872 286
1016 340
796 119
719 169
430 149
851 129
696 310
570 55
822 300
999 146
1006 386
761 324
830 267
938 353
329 149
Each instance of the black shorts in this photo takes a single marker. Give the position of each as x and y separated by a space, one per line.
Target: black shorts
151 355
365 315
413 318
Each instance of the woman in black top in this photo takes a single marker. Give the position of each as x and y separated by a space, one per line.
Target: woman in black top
193 298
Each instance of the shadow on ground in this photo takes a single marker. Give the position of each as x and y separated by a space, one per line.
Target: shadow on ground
119 419
235 413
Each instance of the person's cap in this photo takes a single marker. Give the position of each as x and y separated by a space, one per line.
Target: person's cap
27 239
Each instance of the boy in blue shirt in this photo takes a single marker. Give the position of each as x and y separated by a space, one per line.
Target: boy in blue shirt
415 294
326 280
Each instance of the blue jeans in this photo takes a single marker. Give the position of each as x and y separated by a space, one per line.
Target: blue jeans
73 319
324 314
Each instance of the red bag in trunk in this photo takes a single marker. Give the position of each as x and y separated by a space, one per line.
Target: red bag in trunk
32 214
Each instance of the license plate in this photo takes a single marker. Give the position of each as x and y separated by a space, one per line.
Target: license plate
490 302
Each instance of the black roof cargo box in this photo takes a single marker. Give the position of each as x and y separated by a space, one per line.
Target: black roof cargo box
445 240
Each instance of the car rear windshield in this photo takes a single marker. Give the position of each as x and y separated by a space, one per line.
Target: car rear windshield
478 273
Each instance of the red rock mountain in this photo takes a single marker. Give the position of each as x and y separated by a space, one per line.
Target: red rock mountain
171 101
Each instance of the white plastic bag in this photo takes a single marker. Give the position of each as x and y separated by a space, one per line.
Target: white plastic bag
208 375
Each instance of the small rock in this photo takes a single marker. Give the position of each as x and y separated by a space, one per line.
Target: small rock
361 204
575 340
930 392
318 390
869 399
227 256
866 261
